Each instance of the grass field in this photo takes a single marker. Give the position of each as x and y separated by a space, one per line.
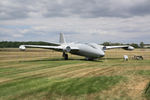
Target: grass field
38 74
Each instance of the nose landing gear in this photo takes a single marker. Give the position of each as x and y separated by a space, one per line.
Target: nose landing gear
65 56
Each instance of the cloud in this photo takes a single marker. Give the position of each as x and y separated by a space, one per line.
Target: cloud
76 29
12 10
97 20
98 8
16 9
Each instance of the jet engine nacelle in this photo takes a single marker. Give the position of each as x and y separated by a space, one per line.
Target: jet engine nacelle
129 48
67 49
22 48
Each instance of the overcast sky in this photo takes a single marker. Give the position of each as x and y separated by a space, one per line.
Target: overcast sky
97 21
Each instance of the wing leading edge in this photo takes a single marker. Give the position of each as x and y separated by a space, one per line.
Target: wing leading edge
126 47
23 47
57 48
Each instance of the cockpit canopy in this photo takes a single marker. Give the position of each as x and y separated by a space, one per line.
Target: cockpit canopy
93 45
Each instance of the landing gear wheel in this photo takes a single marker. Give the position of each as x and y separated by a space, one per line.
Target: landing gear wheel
90 59
65 56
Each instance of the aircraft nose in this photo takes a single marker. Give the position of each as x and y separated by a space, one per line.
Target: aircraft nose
102 54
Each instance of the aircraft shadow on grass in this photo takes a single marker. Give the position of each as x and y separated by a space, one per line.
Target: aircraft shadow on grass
71 59
61 59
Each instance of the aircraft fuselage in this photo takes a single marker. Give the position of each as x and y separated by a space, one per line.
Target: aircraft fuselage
89 50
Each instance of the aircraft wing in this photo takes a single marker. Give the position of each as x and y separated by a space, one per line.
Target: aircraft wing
126 47
23 47
57 48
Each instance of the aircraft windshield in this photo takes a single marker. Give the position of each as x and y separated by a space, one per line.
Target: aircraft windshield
91 45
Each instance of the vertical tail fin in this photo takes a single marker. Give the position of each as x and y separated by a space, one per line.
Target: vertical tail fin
62 39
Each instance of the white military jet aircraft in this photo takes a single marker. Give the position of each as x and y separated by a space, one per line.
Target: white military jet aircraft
89 50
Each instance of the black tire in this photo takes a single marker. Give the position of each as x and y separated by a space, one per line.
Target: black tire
90 59
66 56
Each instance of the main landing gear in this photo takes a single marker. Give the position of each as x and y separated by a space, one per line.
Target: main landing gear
65 56
90 59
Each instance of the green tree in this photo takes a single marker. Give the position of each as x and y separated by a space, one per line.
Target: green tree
16 44
135 45
107 43
141 44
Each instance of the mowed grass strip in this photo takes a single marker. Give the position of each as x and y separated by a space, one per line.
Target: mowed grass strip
52 72
59 86
79 86
49 70
30 67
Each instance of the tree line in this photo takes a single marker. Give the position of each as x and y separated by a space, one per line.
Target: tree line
16 44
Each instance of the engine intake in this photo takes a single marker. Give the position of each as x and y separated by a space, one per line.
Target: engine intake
104 48
68 49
